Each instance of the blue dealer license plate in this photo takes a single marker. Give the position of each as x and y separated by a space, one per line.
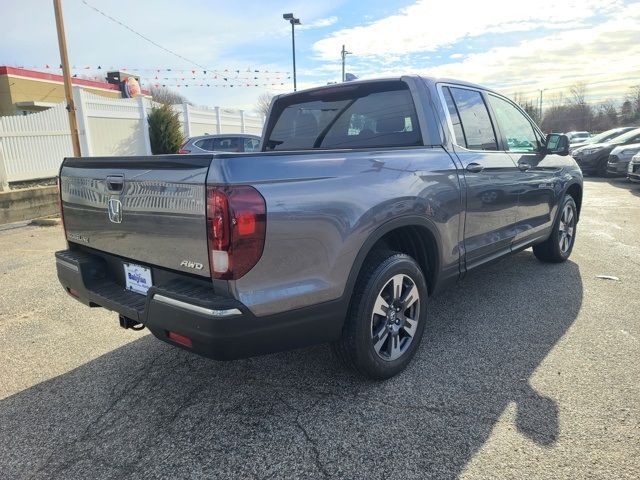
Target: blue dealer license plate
138 278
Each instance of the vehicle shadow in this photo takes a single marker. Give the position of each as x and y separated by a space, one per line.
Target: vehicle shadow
148 410
619 182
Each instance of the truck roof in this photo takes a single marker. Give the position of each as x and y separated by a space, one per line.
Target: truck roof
389 79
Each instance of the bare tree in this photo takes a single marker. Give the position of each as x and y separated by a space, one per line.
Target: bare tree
626 112
528 106
581 112
608 108
578 94
635 101
167 96
263 103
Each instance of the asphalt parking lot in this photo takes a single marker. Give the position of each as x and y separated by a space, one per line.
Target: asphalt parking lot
526 371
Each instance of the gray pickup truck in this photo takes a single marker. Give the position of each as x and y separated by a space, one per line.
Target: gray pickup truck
366 199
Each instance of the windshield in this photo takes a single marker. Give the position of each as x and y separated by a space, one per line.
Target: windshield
579 137
625 137
608 135
362 117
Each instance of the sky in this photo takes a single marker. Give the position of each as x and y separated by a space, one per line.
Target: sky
516 47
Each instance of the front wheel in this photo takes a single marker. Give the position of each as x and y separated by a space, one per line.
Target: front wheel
559 245
386 317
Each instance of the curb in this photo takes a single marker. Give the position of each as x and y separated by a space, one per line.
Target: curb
45 222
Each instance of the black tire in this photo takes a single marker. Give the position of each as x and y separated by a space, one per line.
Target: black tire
554 249
356 348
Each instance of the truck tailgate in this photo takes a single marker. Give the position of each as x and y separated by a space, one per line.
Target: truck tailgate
148 209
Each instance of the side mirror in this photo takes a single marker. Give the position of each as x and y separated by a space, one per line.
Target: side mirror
557 144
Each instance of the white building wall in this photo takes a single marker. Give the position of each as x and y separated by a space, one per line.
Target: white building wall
33 146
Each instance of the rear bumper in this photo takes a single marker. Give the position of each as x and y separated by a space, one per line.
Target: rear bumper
634 173
217 327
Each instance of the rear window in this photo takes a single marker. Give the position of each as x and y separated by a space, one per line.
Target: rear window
221 144
362 117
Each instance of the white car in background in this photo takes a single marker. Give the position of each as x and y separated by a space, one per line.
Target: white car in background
577 137
633 169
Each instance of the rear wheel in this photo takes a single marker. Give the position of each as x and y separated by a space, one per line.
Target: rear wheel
386 318
559 245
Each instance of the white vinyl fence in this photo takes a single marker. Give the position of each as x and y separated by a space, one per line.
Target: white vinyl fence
33 146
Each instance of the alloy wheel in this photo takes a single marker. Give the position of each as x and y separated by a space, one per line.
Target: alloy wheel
395 317
566 228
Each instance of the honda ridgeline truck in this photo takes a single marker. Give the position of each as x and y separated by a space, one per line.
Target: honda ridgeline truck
366 199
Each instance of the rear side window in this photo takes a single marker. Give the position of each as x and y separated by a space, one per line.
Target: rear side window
455 118
475 123
217 144
352 118
231 144
205 144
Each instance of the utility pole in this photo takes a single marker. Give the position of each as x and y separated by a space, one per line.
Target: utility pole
344 54
540 104
66 73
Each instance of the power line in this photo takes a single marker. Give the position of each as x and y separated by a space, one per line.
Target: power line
144 37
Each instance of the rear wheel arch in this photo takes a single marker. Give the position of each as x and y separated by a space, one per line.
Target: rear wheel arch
413 235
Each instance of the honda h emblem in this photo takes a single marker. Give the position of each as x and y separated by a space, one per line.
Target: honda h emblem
115 210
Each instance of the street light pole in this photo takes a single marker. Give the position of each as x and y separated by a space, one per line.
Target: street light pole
344 54
66 73
293 49
293 21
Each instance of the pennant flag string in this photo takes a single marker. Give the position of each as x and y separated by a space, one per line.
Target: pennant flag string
182 70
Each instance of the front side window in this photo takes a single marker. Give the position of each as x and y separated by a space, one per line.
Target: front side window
347 118
474 116
515 127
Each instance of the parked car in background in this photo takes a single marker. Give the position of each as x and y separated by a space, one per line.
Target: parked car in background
601 137
619 159
633 169
575 137
593 157
230 142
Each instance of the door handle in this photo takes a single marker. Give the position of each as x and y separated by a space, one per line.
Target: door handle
474 167
524 166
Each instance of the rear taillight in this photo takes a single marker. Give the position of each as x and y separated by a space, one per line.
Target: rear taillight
182 149
236 226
